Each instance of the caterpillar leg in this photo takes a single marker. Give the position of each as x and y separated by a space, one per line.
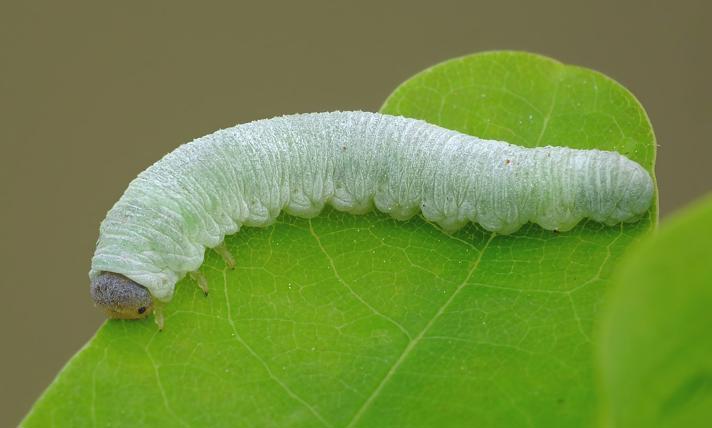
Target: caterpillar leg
222 250
158 316
201 280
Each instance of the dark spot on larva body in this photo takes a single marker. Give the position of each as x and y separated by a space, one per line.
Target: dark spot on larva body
507 161
120 297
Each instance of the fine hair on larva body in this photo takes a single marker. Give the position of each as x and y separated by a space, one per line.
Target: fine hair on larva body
246 175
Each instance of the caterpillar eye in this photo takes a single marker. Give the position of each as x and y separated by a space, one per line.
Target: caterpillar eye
142 309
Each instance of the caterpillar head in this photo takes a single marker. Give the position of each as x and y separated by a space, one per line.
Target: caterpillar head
120 297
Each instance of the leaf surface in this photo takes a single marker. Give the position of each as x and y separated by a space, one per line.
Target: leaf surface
656 352
356 321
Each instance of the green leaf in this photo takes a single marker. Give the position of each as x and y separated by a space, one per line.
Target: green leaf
355 321
656 352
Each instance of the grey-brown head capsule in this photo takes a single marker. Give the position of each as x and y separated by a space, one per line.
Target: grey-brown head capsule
120 297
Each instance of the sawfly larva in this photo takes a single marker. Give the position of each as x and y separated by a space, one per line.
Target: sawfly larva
246 175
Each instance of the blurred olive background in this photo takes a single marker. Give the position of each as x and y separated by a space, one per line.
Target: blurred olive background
93 93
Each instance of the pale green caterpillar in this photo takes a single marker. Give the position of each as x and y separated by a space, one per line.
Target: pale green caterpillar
246 175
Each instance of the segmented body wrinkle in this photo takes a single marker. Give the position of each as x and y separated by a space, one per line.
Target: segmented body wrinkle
246 175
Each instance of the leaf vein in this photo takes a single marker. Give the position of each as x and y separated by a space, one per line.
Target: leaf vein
413 343
343 282
264 364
